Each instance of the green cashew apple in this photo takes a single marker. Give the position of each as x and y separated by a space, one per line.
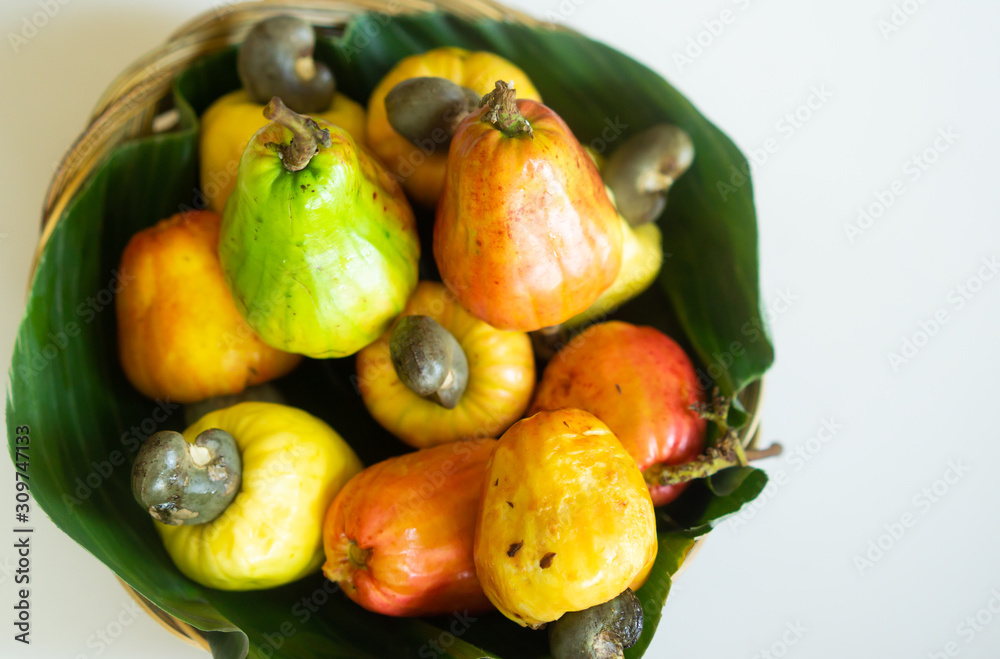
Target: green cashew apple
318 244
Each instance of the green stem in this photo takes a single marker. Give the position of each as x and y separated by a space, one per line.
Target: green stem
502 111
727 452
307 136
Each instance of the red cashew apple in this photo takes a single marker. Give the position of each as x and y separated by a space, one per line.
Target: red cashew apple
399 535
640 383
525 235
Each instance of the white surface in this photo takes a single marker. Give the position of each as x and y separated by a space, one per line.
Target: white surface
786 582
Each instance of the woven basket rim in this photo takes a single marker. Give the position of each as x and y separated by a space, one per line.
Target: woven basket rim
127 108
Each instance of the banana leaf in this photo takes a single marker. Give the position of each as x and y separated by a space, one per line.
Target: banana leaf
86 422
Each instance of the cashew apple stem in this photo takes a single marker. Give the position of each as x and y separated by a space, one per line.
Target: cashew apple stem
502 111
351 558
358 556
728 451
307 136
771 451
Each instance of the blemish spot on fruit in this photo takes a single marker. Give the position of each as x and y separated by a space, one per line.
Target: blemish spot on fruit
514 548
546 560
496 482
375 194
619 388
510 504
565 424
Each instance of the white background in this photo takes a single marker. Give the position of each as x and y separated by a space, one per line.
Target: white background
794 563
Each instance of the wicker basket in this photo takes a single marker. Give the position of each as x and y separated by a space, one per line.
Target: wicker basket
139 102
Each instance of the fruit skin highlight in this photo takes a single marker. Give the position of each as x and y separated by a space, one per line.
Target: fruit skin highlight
642 258
565 520
399 535
639 382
